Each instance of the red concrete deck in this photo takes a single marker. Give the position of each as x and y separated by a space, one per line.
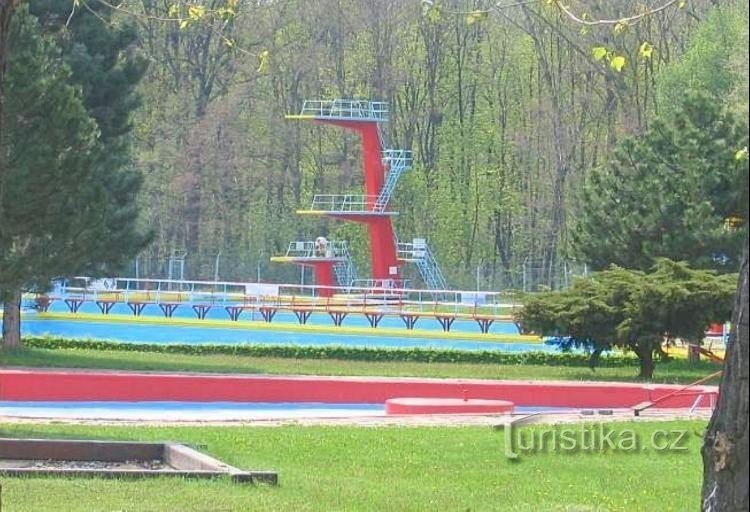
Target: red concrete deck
81 385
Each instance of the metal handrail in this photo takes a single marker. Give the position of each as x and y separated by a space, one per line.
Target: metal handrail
343 202
309 249
381 284
400 157
346 109
411 251
651 403
170 290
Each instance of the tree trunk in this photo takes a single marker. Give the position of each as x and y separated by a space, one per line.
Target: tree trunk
645 361
12 321
725 448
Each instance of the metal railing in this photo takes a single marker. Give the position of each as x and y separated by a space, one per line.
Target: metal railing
398 157
338 251
308 249
125 288
344 269
407 252
419 252
380 284
346 109
398 161
684 390
164 290
343 202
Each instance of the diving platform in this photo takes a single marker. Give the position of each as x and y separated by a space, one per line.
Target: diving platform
330 260
301 251
382 169
396 160
343 110
349 204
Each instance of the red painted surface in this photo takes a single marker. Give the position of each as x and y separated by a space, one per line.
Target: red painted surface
383 254
447 406
324 275
371 152
715 330
134 386
383 247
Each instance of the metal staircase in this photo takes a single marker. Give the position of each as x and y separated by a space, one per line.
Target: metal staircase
332 250
398 161
345 272
419 252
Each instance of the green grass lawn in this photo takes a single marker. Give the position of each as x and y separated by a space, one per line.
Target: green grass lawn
676 371
387 468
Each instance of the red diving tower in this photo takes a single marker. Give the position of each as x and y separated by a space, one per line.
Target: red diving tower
329 260
382 169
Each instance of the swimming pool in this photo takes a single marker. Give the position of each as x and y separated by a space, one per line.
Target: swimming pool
113 394
195 333
201 411
217 313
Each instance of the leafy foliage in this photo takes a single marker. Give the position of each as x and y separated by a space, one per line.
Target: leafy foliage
668 192
46 149
632 309
505 114
713 61
69 196
342 353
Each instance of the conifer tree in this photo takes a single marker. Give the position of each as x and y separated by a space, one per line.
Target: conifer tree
632 309
678 191
69 198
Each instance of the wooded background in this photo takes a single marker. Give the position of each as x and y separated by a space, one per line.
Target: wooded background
505 114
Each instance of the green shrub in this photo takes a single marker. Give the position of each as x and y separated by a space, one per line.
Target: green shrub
420 355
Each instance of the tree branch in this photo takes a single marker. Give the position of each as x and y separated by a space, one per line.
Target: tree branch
628 19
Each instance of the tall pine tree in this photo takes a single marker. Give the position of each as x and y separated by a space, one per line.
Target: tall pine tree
70 192
678 191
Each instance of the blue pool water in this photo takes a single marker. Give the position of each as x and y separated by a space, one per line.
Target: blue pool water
159 333
201 411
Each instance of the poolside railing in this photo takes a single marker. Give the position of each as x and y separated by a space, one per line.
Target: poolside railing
384 294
